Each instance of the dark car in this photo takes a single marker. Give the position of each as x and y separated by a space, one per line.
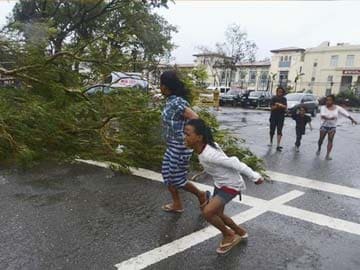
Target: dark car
309 101
232 97
258 99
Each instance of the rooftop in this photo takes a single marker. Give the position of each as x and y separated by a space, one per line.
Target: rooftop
325 47
212 55
255 64
288 49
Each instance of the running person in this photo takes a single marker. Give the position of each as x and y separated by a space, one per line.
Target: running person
227 174
176 158
301 120
278 109
329 116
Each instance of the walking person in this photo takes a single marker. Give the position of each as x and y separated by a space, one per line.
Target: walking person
278 109
301 120
216 97
176 159
228 182
329 116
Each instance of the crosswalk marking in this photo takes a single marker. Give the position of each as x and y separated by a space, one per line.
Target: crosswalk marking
315 184
158 254
259 206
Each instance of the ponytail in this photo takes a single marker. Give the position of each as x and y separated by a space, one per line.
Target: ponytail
202 129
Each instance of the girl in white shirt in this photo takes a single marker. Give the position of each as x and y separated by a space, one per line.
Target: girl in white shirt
227 174
329 115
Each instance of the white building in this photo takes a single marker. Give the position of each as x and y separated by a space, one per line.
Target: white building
250 76
322 70
253 76
214 65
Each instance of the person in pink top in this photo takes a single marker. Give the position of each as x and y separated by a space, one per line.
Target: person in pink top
329 116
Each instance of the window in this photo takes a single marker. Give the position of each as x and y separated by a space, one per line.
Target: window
289 58
330 78
286 59
252 76
282 58
302 57
313 79
334 60
315 64
350 60
300 69
307 99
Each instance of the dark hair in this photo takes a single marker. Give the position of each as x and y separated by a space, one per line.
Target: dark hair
303 107
332 97
171 80
201 128
282 89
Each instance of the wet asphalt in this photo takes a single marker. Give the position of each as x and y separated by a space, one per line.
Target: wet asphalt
77 216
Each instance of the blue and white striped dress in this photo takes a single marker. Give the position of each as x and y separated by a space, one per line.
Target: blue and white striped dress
176 158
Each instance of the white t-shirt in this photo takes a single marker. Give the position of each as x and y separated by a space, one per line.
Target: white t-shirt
324 111
226 171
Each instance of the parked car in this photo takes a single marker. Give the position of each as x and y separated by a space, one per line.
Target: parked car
309 101
257 99
100 89
232 97
127 80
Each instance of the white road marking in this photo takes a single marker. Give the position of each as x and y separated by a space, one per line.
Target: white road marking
158 254
279 177
260 206
161 253
315 184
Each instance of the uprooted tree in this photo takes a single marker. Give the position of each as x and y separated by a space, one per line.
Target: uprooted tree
49 117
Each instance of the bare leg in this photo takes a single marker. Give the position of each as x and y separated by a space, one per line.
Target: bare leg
279 140
331 136
230 223
201 195
210 213
177 204
321 140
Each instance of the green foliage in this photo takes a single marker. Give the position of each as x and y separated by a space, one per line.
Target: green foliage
35 128
114 35
348 97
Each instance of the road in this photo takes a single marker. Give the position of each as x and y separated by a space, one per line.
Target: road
81 216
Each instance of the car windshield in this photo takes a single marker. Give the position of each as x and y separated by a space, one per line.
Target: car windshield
233 92
294 97
256 94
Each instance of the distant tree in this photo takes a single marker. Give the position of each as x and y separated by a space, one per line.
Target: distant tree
236 47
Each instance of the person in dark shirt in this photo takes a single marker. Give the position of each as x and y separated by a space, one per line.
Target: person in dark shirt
278 109
301 120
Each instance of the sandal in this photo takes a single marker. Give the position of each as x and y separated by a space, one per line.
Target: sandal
169 208
224 248
208 195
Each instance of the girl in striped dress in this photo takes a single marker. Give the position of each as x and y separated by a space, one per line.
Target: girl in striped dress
176 158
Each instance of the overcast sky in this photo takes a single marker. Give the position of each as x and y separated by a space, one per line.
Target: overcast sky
271 24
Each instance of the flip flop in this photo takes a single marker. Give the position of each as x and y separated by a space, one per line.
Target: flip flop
208 195
245 236
170 209
224 248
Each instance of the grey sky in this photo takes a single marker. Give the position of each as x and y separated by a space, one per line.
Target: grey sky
271 24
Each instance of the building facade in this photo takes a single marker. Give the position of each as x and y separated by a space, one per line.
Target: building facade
321 70
249 76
